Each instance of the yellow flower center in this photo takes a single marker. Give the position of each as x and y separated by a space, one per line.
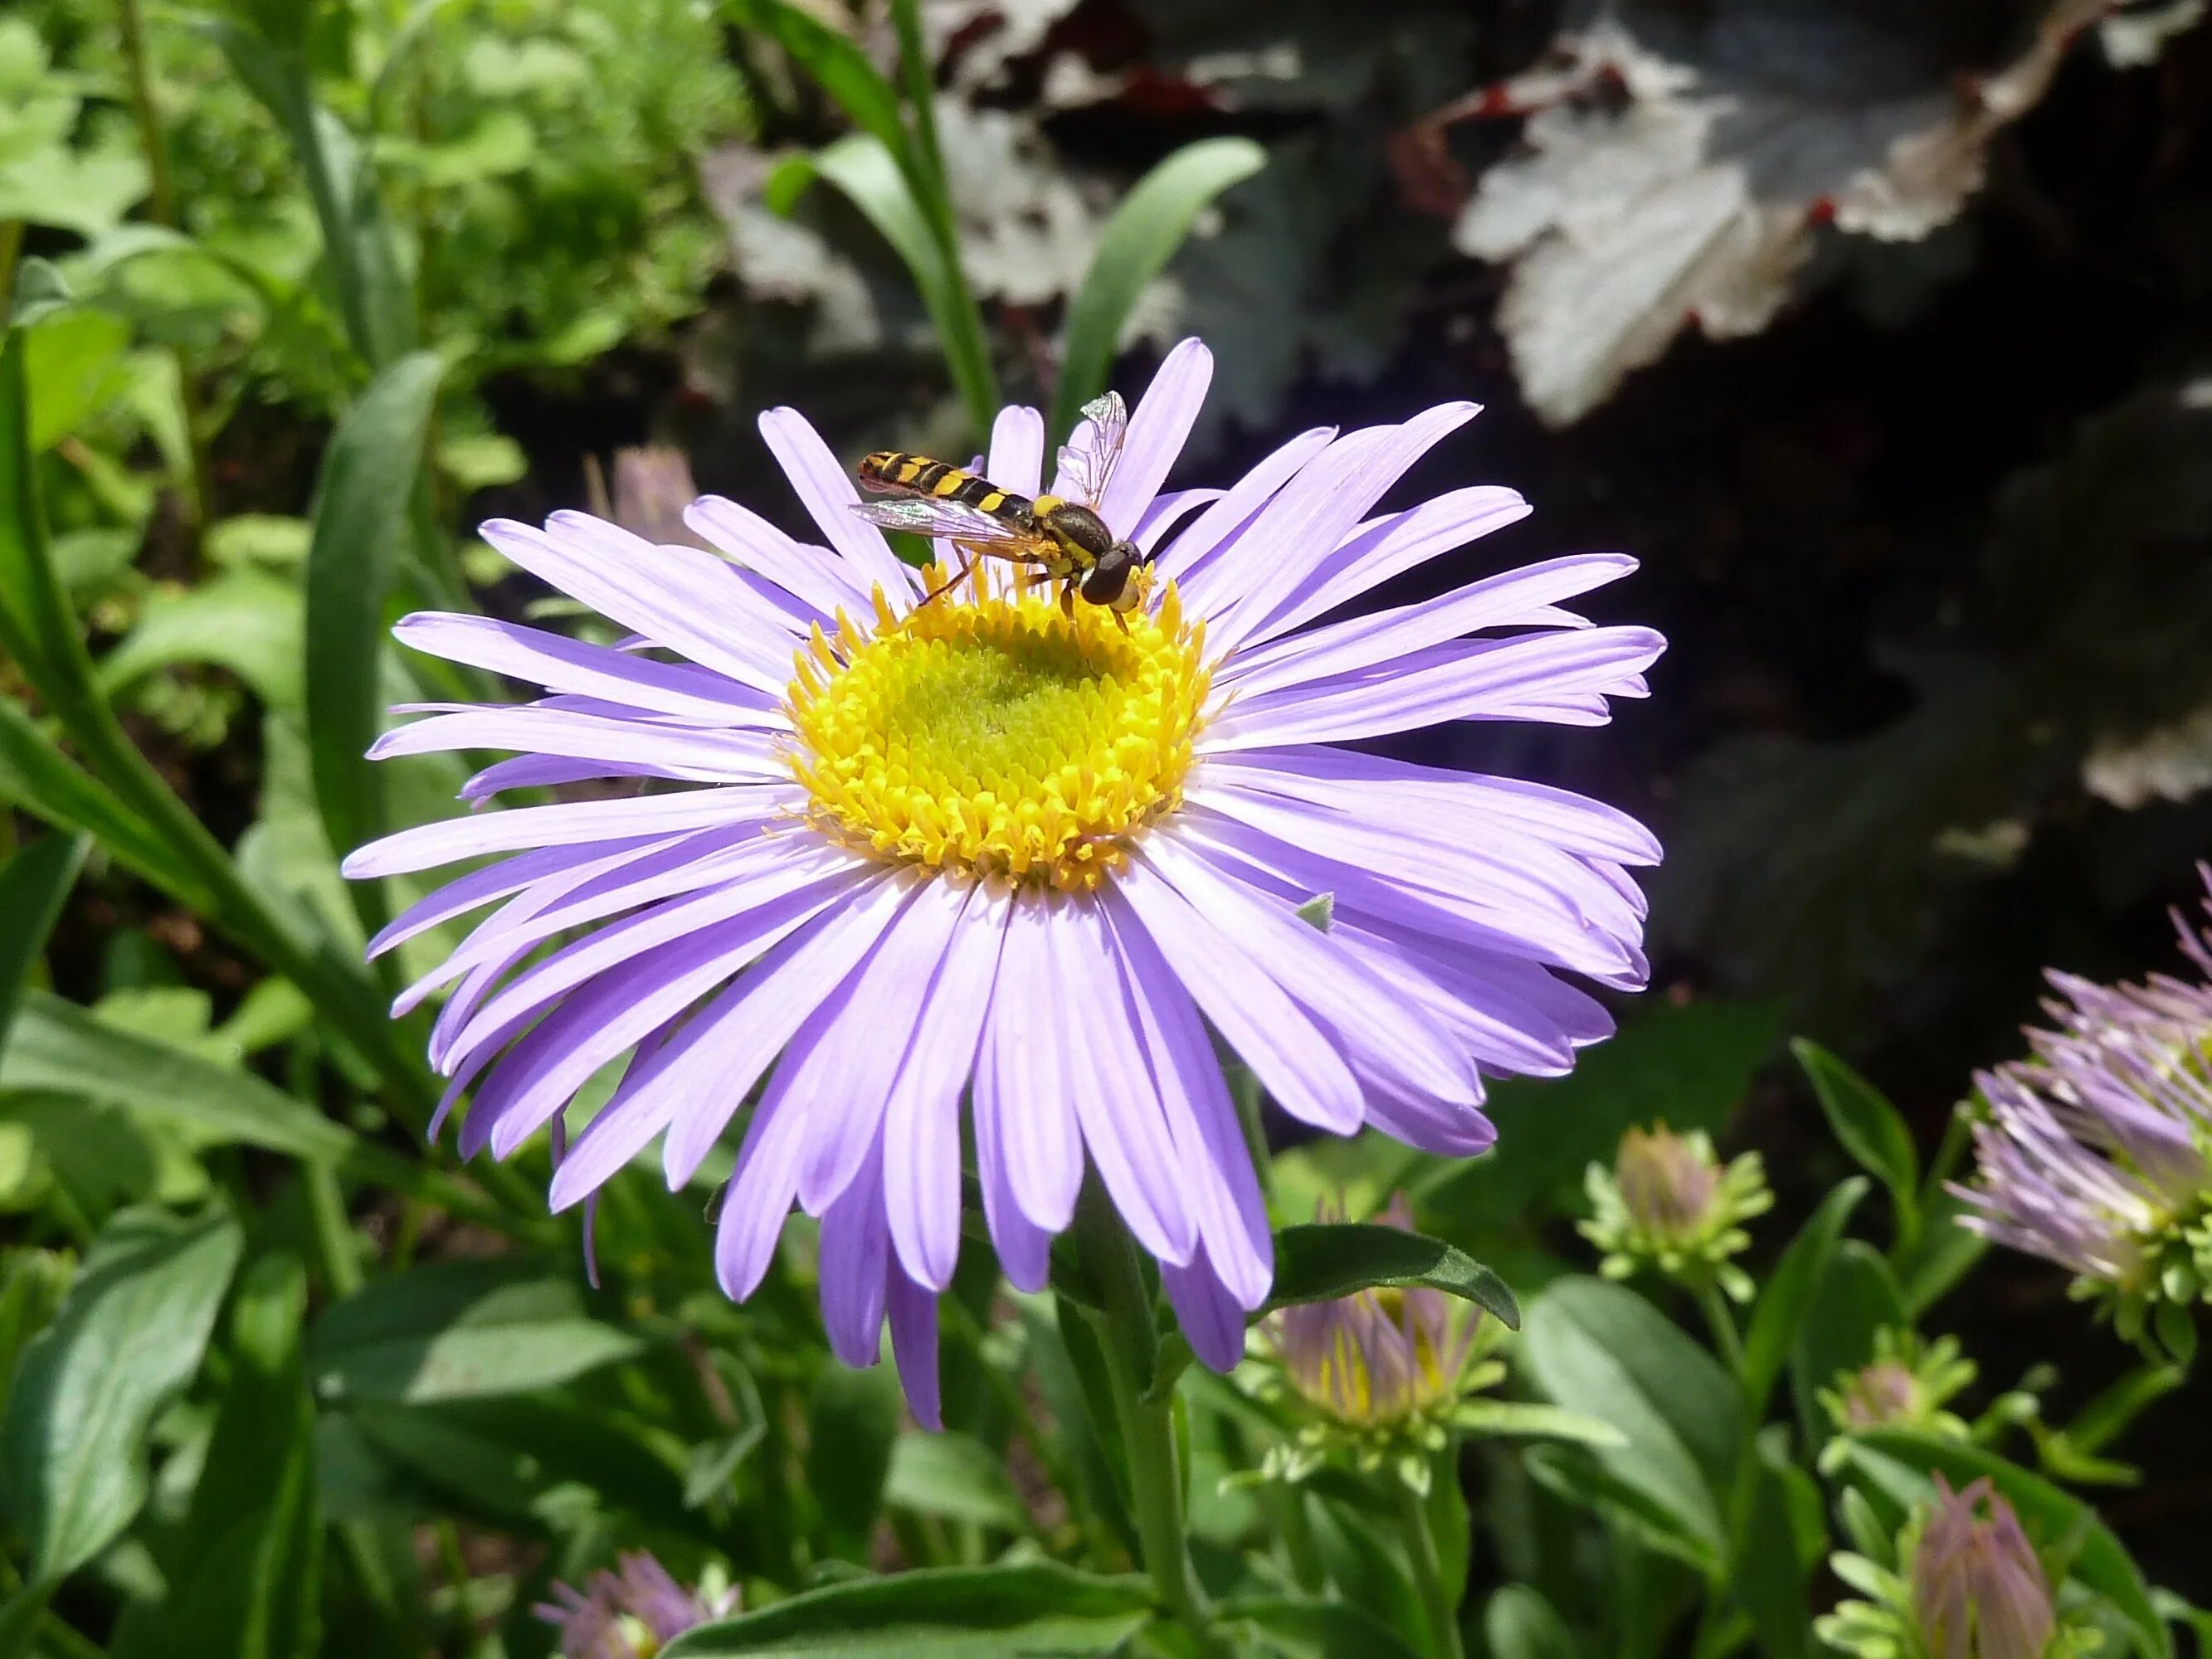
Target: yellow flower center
993 735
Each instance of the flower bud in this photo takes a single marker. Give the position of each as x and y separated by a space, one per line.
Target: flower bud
1669 1203
1978 1591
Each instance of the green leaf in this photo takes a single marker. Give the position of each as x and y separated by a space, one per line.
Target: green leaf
1532 1419
1037 1611
870 176
129 1335
459 1329
72 366
374 294
1857 1297
1520 1624
1770 1581
246 1580
40 291
32 886
836 64
1869 1127
1320 1261
1602 1351
1138 240
362 506
514 1464
61 1049
1944 1253
1298 1629
955 1477
1900 1461
851 1420
1782 1306
245 621
37 777
1689 1066
1576 1474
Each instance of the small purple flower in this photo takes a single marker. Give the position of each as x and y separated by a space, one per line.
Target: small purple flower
980 856
628 1613
2097 1153
1978 1591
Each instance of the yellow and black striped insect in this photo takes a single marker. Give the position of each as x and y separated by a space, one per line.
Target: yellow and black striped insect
1059 537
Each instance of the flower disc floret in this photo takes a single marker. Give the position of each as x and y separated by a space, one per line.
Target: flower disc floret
998 735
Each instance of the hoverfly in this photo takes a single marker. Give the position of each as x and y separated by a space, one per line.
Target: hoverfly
1060 538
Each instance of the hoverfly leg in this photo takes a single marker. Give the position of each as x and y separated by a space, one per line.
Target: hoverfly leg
1067 599
952 581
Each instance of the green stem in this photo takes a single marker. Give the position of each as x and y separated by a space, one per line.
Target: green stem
11 244
334 1238
967 345
1421 1542
1129 1340
1714 1305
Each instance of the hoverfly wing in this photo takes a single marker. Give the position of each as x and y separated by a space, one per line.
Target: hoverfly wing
946 520
1087 458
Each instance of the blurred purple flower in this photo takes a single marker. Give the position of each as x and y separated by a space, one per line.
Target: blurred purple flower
627 1614
981 840
2097 1152
1978 1591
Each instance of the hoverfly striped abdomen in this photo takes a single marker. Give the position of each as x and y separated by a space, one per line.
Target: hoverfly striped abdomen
894 469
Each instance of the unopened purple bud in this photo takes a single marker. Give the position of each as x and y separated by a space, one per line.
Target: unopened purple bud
1978 1591
1667 1182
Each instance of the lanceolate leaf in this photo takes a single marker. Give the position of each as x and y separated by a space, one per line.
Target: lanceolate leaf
1869 1127
870 176
1602 1351
33 885
1138 240
37 777
1789 1293
455 1330
130 1334
1314 1630
1034 1611
245 1584
1320 1262
360 521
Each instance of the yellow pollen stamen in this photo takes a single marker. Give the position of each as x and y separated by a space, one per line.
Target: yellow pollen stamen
991 734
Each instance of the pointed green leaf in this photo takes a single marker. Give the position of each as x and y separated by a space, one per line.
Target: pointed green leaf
1520 1624
1782 1306
1602 1351
459 1329
245 1584
1037 1611
1322 1261
32 886
1138 240
1298 1629
361 513
1869 1127
129 1335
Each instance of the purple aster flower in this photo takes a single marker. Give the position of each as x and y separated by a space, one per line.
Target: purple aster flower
628 1613
901 855
2097 1153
